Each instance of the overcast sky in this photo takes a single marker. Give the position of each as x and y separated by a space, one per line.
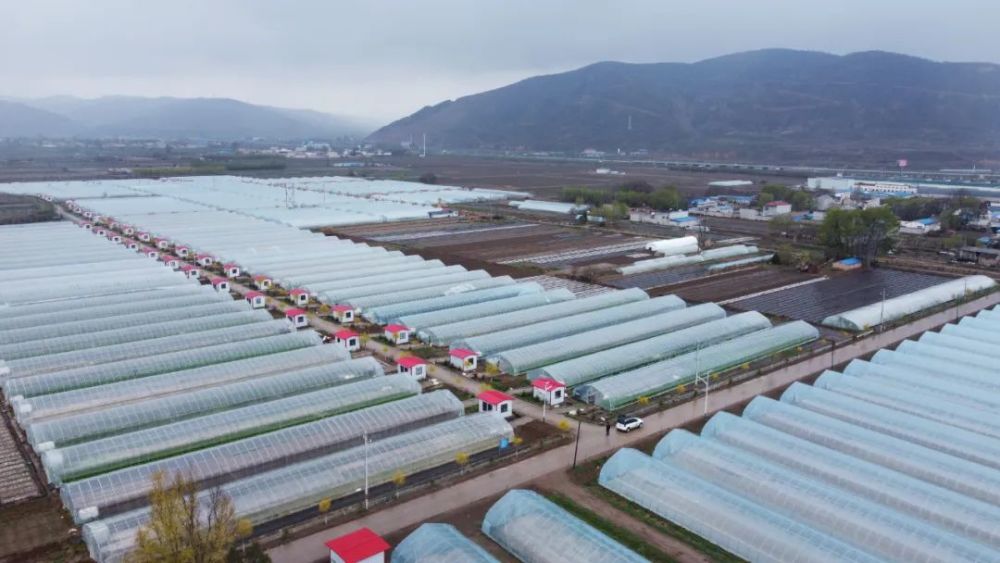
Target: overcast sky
384 60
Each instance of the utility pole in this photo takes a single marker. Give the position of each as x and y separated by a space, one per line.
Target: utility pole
423 152
881 316
698 378
576 449
365 438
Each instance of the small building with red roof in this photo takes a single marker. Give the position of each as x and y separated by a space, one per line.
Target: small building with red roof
465 360
162 243
172 262
348 339
220 283
100 231
128 230
182 251
205 260
359 546
232 269
151 252
775 208
297 317
114 237
299 296
549 390
413 366
343 314
191 271
131 244
256 299
262 282
496 401
144 236
88 226
397 333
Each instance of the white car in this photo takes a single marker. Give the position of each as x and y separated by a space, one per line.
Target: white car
628 423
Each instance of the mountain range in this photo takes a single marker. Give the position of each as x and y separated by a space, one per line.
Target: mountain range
733 105
166 118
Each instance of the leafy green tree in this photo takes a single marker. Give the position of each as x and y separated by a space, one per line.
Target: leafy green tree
859 232
764 198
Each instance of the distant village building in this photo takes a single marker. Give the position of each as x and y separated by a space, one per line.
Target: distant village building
776 208
920 226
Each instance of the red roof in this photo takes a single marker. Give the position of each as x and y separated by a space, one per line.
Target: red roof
231 265
358 545
294 312
411 361
252 294
217 280
345 334
341 308
259 277
297 292
547 384
776 203
462 353
396 328
188 267
182 247
167 257
494 397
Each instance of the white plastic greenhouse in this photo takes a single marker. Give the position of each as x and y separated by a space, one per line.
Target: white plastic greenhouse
649 381
487 344
864 318
145 366
675 260
101 396
593 366
84 341
439 543
232 460
487 308
155 346
142 446
746 529
286 490
667 247
900 469
536 530
392 313
524 358
144 413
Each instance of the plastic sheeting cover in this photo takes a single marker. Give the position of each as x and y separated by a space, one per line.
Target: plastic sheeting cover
439 543
536 530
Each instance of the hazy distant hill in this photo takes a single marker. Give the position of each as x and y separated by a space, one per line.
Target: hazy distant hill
736 104
206 118
19 120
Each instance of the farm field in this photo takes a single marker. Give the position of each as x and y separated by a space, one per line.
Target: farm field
736 284
816 301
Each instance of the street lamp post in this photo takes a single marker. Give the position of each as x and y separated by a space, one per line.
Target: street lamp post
365 438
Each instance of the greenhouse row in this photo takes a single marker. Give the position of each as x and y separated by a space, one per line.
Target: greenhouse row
536 530
655 379
883 461
521 359
864 318
286 490
317 201
676 260
102 396
496 341
264 451
593 366
439 543
132 415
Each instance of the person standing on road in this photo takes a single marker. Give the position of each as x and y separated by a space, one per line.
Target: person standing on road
607 428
